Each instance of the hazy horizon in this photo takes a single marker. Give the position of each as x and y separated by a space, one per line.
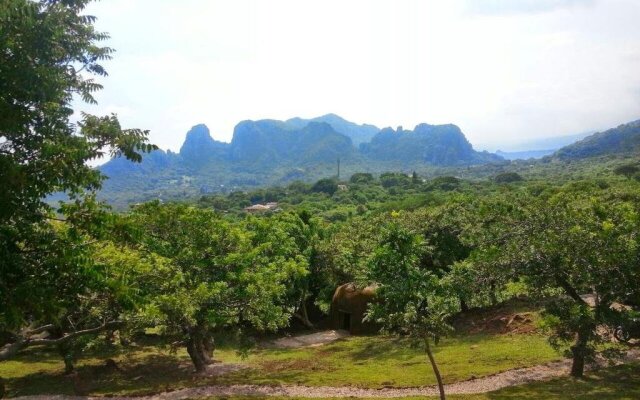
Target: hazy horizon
505 72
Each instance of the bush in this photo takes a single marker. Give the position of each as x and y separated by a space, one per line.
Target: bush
445 183
391 179
508 177
327 185
361 177
627 170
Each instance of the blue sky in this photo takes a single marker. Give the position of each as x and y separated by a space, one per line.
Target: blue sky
505 71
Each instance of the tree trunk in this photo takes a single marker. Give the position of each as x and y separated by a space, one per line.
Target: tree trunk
210 345
302 314
68 364
110 337
463 305
206 349
195 353
579 350
492 294
305 315
304 319
66 352
435 368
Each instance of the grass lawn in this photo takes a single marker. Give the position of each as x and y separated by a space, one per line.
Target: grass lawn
368 361
617 383
374 361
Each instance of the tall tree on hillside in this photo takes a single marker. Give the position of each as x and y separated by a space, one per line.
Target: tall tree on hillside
413 300
49 52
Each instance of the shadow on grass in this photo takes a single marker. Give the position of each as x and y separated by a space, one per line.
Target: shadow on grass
621 382
140 375
402 349
379 350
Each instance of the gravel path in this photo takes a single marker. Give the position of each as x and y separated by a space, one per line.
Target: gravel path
481 385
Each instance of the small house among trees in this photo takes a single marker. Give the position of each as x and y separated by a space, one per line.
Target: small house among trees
349 307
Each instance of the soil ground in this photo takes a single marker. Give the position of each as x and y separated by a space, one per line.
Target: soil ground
312 339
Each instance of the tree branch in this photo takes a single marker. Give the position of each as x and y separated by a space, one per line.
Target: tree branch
40 329
9 350
570 290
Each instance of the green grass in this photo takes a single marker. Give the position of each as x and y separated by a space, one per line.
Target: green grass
368 361
617 383
375 361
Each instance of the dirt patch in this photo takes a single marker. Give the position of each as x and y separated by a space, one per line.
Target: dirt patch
312 339
295 365
219 369
507 318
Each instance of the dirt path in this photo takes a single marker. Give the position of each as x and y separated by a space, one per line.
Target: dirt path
480 385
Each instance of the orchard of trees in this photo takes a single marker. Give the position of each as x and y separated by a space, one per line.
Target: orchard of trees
76 271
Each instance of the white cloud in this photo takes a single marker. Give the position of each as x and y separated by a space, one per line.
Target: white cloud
522 6
504 71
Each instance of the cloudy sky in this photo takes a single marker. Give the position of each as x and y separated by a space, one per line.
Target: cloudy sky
505 71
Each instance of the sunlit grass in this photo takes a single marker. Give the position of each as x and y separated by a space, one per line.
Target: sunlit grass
379 361
368 361
617 383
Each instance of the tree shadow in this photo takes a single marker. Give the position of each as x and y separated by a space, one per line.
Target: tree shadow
144 374
621 382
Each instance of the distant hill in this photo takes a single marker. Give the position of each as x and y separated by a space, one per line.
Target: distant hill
267 143
357 133
443 145
623 139
268 152
200 148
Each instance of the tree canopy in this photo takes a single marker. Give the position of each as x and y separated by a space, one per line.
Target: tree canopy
50 56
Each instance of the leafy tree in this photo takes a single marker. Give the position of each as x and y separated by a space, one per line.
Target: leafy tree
415 179
342 256
393 179
572 247
298 187
221 276
508 177
445 183
442 229
327 185
413 301
301 233
361 177
627 170
49 54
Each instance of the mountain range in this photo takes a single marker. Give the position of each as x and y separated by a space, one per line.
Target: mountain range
267 152
624 139
272 152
